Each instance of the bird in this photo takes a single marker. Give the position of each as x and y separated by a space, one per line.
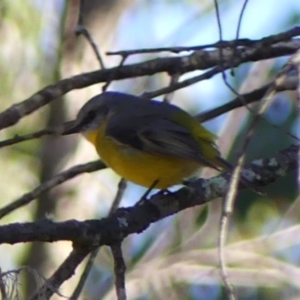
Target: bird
151 143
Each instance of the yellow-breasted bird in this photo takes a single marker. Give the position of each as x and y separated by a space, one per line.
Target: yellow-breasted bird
146 141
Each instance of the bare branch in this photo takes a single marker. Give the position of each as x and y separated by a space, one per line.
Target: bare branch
2 286
89 235
199 60
228 62
119 269
64 272
80 29
221 44
135 219
21 138
49 184
92 257
289 83
296 63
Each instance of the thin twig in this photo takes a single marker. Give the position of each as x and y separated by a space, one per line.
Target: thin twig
172 65
184 83
227 63
80 29
174 79
178 49
123 222
239 25
21 138
122 185
2 286
52 182
224 220
296 62
119 269
80 13
290 83
224 217
121 190
221 44
233 184
286 83
267 100
63 273
93 255
105 86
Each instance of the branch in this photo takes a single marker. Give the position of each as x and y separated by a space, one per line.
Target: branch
221 44
119 269
64 272
52 182
88 235
230 58
17 139
289 83
115 204
3 292
199 60
125 221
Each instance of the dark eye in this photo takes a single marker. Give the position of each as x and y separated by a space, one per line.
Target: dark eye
91 115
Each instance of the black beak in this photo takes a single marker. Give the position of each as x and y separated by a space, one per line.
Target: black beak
71 127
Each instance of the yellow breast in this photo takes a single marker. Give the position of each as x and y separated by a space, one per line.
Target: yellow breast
140 167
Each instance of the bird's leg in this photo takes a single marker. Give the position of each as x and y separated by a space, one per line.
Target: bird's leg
148 191
188 182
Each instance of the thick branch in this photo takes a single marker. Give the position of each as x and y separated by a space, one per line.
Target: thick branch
88 235
125 221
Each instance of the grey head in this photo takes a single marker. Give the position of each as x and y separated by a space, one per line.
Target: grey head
94 112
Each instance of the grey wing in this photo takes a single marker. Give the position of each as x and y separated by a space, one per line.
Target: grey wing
169 138
124 127
155 135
